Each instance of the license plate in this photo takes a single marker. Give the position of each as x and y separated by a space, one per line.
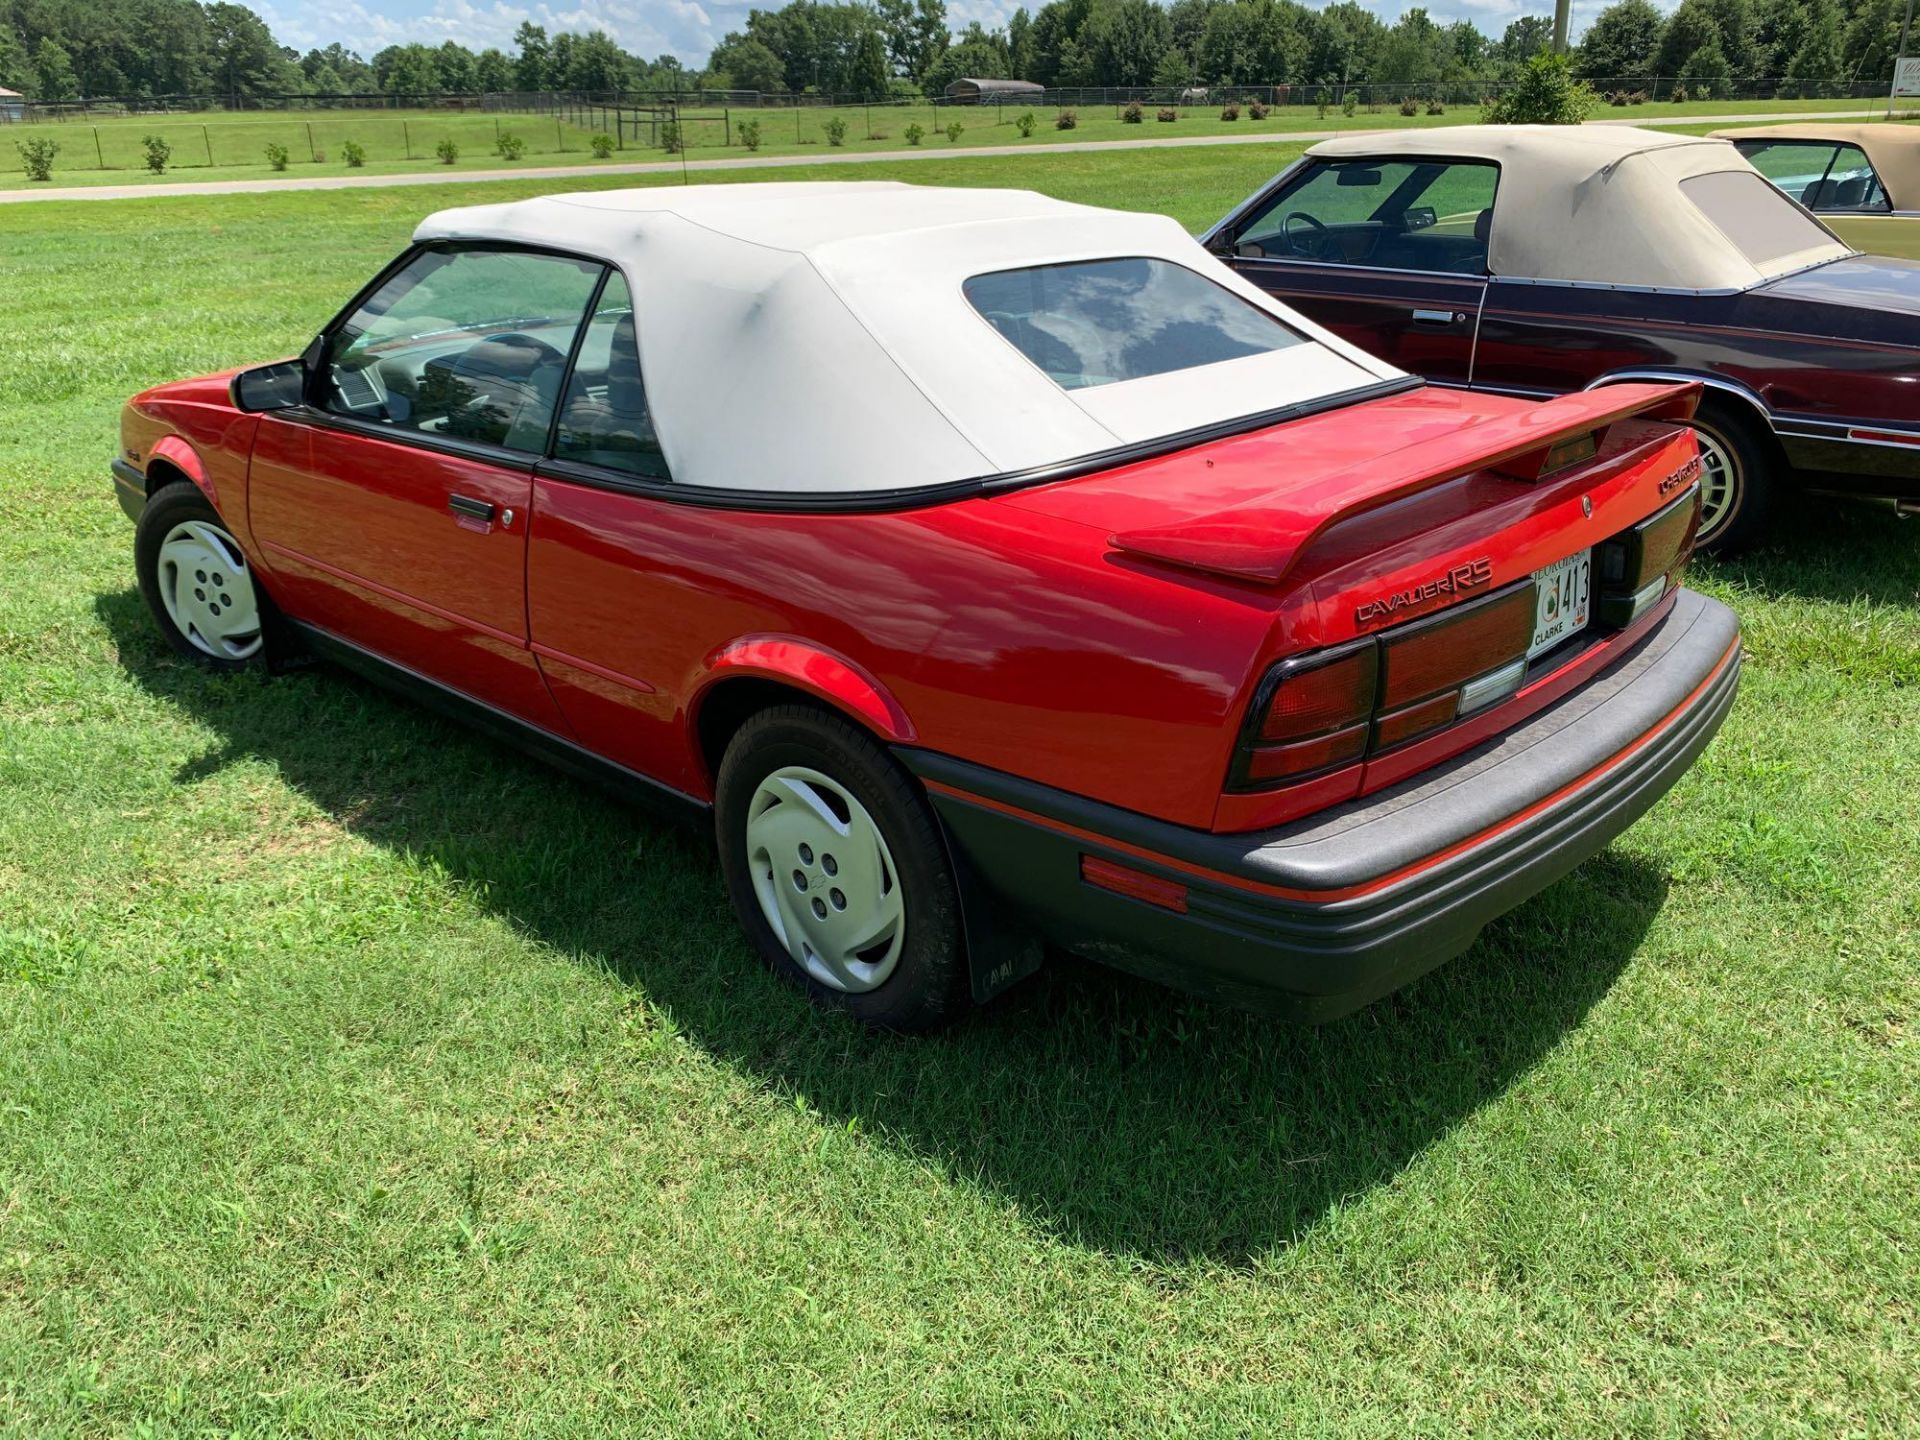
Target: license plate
1561 595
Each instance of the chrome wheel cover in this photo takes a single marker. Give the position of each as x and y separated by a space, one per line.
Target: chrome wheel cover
208 591
825 880
1720 480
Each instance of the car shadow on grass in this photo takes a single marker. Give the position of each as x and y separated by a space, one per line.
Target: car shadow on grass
1113 1113
1827 549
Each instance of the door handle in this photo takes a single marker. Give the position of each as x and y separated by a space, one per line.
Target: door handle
471 509
1437 317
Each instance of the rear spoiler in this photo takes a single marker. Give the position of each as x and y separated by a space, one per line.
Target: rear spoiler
1260 539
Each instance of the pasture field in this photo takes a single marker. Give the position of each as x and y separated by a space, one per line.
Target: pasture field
220 146
358 1076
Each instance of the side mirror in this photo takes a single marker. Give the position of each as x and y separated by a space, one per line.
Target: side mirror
271 387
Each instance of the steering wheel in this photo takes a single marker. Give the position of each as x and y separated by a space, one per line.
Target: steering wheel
1312 246
544 353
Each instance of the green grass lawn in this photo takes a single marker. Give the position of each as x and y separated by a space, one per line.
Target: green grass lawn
218 146
359 1077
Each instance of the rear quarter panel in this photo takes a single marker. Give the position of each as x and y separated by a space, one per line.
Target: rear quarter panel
1013 640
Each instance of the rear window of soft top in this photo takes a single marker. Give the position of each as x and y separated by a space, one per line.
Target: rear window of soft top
1098 322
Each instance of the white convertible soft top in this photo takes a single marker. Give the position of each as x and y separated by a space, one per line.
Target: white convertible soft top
1617 205
815 337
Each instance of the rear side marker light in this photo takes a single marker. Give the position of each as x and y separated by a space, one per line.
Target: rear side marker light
1134 884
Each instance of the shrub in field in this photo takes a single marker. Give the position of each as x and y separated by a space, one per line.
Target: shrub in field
36 156
1167 115
1679 96
1320 103
1618 97
1229 112
509 146
1545 94
750 134
1409 105
1066 120
1349 104
447 151
158 153
915 133
670 137
601 145
1259 110
1638 97
278 155
1025 125
837 131
1436 107
954 131
1133 114
354 153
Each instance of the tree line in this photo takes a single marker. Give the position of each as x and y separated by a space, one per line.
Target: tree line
66 49
866 49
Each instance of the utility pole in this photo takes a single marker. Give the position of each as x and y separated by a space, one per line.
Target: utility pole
1905 26
1563 14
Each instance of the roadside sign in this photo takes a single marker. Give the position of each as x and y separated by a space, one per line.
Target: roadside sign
1906 77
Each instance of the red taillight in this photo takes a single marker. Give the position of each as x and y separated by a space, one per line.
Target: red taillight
1331 692
1455 646
1312 715
1638 566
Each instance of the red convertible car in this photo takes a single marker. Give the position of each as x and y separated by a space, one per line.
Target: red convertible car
988 571
1535 260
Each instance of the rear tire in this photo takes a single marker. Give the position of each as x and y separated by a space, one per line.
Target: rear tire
837 870
1739 478
197 582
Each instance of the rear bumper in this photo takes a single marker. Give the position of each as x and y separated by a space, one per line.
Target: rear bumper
1321 916
130 487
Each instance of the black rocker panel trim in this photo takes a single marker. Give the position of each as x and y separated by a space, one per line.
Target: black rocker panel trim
582 763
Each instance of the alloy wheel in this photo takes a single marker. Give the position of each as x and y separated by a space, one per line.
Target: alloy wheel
1719 483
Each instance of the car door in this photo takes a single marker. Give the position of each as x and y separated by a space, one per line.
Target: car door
1391 255
393 506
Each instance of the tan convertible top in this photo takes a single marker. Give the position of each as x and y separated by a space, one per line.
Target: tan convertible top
1612 205
1892 150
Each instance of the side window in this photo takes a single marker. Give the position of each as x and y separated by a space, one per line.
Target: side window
604 419
1853 182
466 344
1402 215
1798 167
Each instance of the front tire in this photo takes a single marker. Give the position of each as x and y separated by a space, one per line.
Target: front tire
837 871
1739 471
197 582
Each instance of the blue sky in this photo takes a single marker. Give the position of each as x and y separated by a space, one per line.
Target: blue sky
687 28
